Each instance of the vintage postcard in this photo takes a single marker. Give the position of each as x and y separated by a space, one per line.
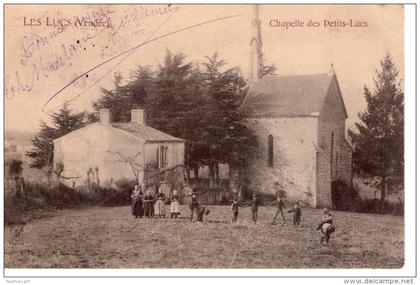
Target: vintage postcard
204 136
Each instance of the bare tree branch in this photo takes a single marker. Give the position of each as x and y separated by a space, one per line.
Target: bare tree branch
136 167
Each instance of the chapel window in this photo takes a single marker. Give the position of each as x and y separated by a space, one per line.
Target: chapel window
270 151
336 164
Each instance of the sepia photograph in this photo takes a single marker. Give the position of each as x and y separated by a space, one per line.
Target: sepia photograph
211 136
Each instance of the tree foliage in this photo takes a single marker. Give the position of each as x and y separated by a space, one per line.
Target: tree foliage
196 102
379 137
268 70
123 98
63 122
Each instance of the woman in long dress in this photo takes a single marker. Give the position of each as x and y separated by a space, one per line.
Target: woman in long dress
174 210
148 204
136 202
160 204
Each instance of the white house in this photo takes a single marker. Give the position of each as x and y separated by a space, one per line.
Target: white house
106 152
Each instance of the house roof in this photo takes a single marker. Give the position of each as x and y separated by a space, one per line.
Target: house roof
145 132
287 95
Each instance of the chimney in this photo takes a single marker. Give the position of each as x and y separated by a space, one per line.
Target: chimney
138 116
105 116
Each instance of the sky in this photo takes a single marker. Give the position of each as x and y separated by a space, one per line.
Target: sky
47 65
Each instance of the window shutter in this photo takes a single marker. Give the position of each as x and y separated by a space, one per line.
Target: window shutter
157 158
166 155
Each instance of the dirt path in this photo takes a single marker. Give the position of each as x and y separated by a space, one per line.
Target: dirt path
102 237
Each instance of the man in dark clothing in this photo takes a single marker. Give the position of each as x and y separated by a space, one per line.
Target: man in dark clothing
235 210
297 212
194 206
280 206
254 207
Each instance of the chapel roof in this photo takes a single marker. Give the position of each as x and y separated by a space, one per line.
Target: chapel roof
287 95
145 132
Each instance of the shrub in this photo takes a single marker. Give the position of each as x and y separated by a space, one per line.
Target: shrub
114 197
13 211
108 195
347 198
125 185
373 206
19 206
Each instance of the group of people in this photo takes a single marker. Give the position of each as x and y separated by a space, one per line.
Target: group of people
149 205
325 228
255 203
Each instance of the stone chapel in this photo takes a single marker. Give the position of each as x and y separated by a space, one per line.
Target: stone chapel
300 125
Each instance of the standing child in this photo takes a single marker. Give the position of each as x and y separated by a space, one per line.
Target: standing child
280 206
254 207
174 210
297 212
235 210
194 206
160 204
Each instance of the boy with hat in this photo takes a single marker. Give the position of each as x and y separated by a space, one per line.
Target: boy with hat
235 209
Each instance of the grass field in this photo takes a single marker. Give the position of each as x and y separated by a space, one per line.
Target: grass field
101 237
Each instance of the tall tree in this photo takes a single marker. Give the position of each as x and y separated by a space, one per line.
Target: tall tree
63 122
229 139
379 138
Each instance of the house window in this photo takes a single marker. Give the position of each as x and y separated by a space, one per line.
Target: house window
162 156
270 151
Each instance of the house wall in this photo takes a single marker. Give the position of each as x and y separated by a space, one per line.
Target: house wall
175 153
345 165
294 153
334 155
170 176
95 148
